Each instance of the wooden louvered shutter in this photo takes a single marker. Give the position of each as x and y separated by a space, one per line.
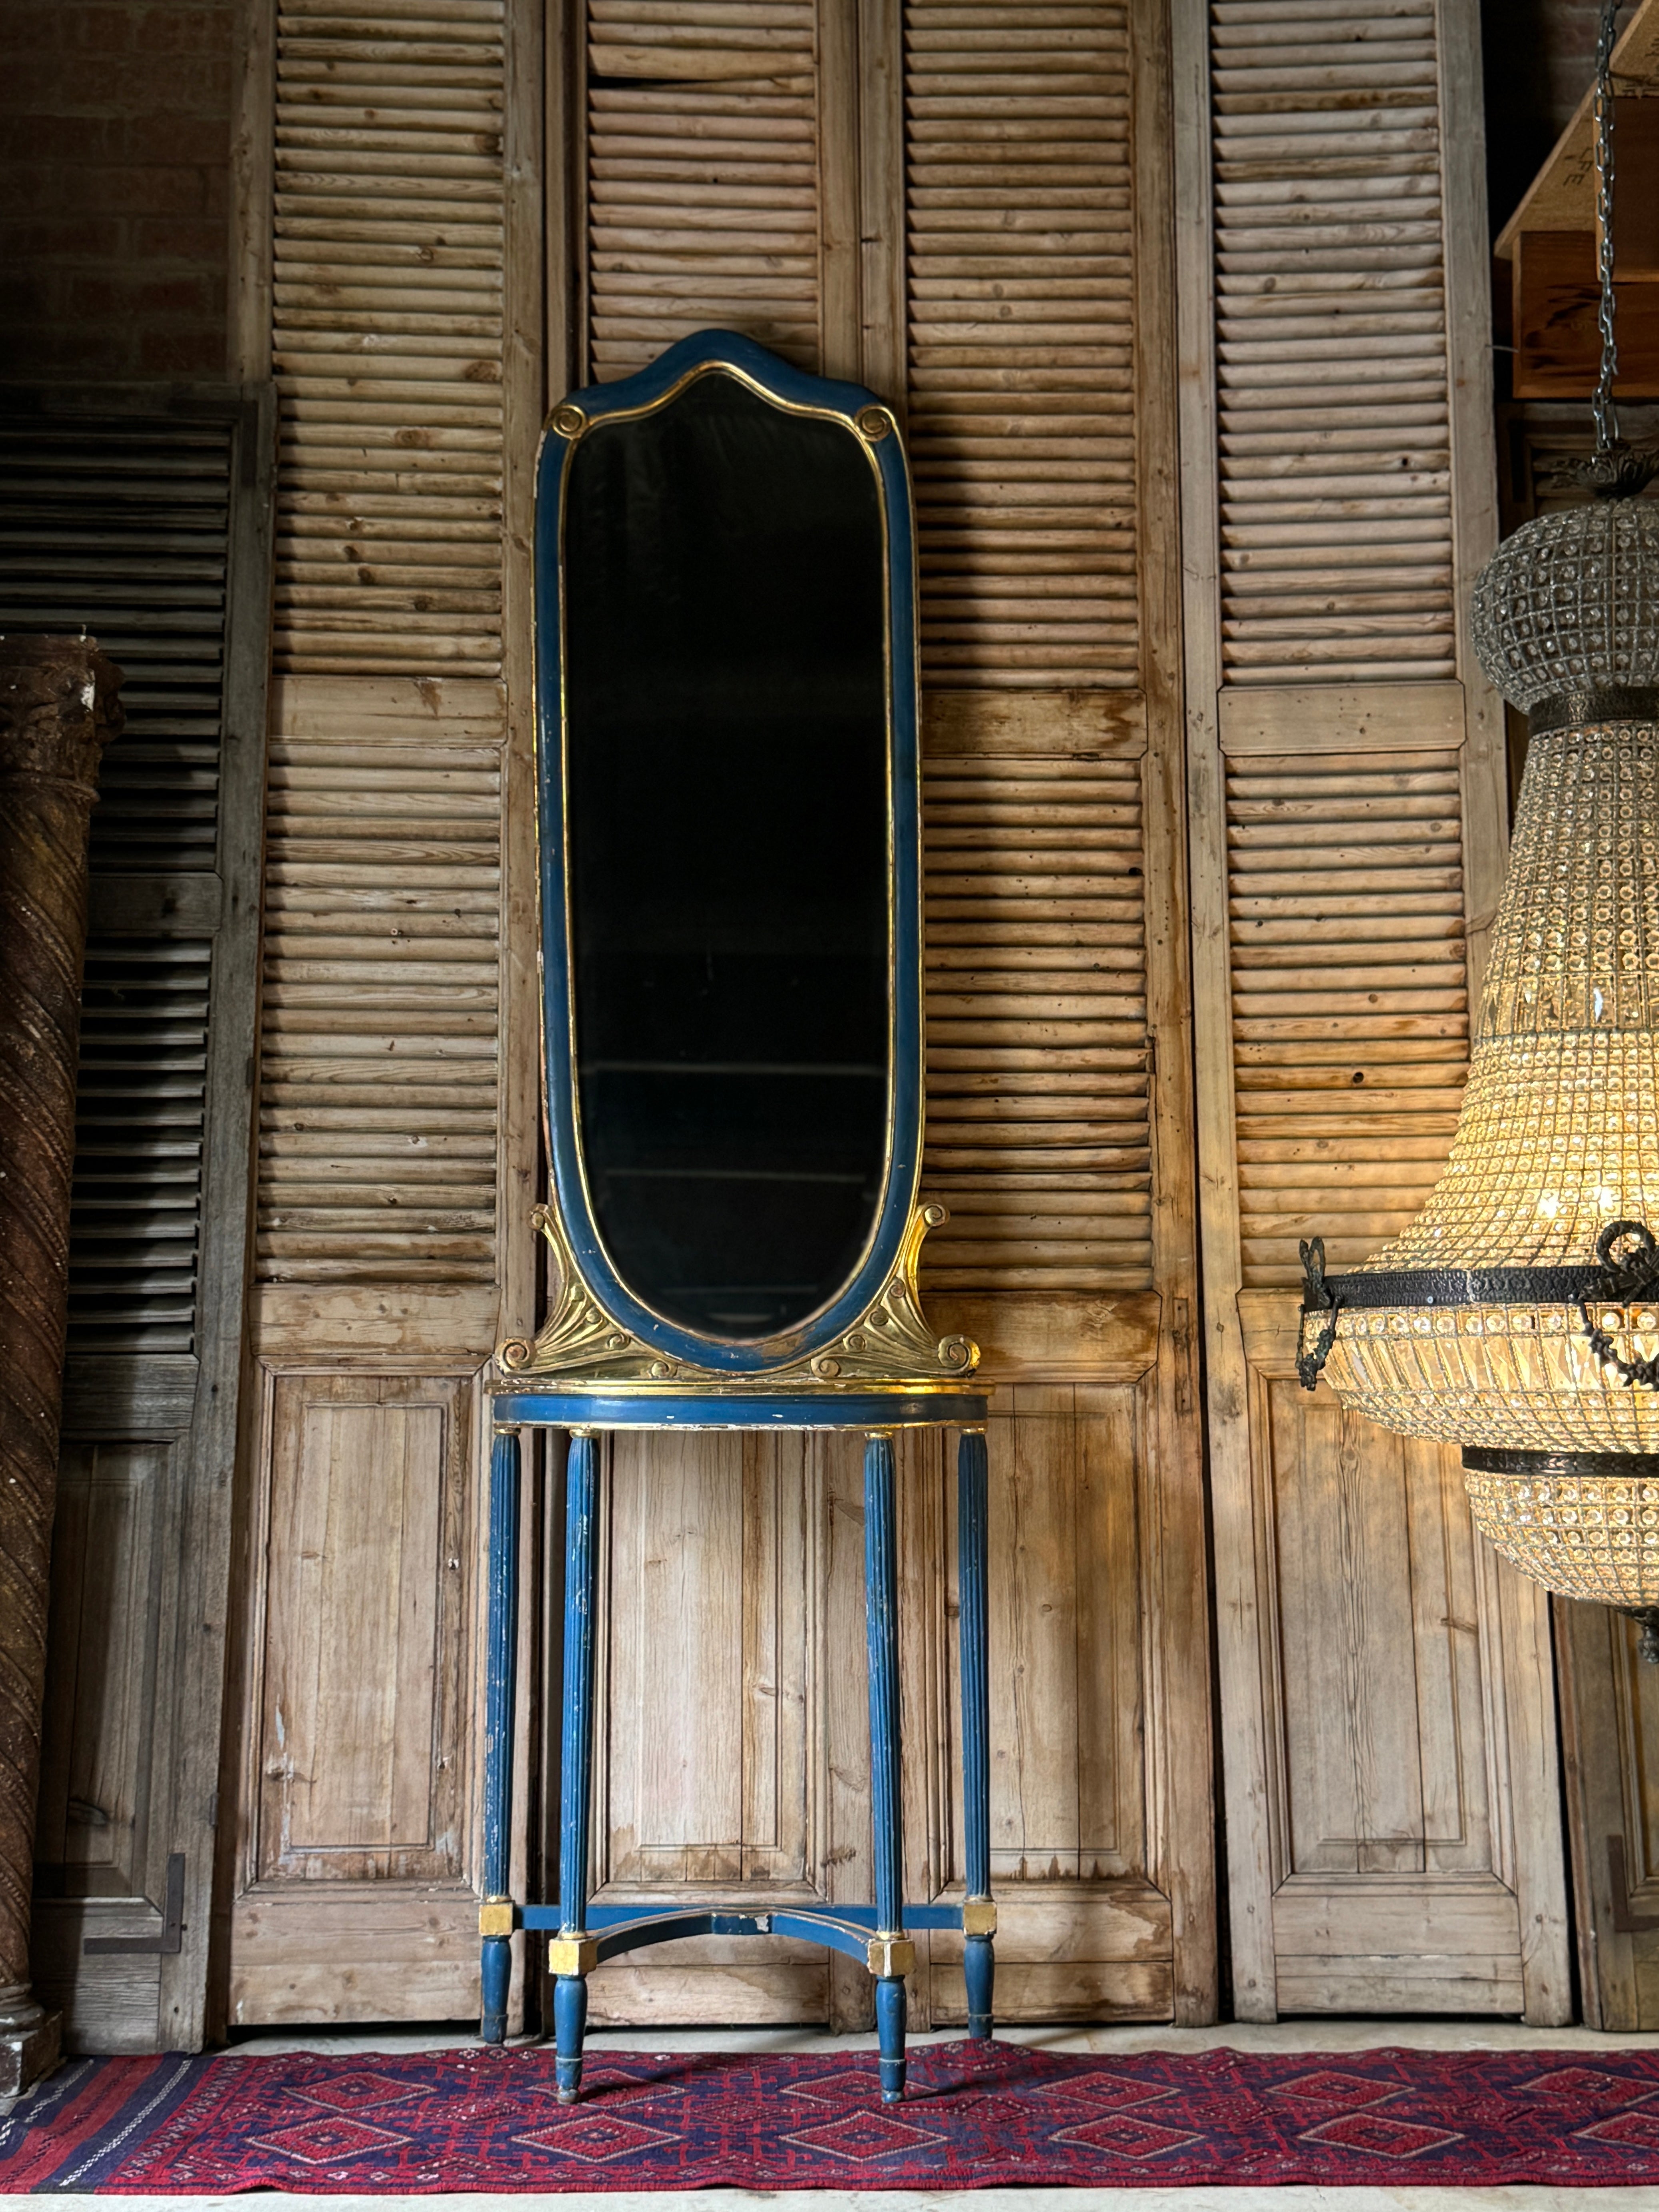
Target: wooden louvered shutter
1020 281
1020 272
1388 1729
942 200
1335 452
703 188
403 321
141 515
387 337
380 1071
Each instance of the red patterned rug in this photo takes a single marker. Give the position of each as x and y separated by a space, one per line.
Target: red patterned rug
975 2115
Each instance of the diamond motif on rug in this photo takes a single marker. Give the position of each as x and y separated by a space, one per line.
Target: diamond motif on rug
862 2136
1579 2083
1376 2134
852 2088
1115 2091
343 2093
595 2137
323 2142
1329 2087
1631 2131
1124 2135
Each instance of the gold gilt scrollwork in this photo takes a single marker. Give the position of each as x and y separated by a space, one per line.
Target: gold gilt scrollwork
580 1346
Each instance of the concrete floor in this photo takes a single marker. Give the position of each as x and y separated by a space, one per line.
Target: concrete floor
1284 2035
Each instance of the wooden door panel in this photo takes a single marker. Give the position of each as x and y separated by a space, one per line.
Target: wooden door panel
1399 1944
1406 1741
705 1765
750 1779
1065 1952
95 1841
1086 1924
733 1761
1378 1627
360 1644
343 1954
1067 1792
361 1681
710 1981
94 1768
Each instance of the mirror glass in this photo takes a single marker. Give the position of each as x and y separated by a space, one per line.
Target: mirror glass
726 824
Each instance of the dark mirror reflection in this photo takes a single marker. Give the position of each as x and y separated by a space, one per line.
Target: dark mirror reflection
727 795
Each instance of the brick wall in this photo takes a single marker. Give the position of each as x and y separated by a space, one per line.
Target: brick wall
114 165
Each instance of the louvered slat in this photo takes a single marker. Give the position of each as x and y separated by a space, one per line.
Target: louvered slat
118 527
140 1106
116 523
1021 341
1331 347
387 338
1350 1011
1038 1127
703 178
377 1127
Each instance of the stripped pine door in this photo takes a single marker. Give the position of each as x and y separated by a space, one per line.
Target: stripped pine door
389 164
1387 1693
966 207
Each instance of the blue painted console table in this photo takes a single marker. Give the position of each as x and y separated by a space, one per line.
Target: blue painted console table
878 1936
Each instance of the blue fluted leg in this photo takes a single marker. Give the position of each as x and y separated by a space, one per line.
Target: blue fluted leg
979 1964
891 1954
496 1965
571 1951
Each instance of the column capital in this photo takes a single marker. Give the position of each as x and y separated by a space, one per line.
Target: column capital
59 709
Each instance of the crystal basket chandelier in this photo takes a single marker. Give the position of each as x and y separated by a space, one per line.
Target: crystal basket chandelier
1519 1316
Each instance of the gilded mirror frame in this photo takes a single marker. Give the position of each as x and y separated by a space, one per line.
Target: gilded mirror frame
599 1330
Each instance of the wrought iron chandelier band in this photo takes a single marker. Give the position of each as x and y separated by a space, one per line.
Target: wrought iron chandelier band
1480 1460
1627 1270
1609 1278
1593 706
1466 1286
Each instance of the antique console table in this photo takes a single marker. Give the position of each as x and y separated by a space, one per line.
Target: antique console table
729 840
878 1936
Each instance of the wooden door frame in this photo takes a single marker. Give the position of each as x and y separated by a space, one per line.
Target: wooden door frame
1182 1769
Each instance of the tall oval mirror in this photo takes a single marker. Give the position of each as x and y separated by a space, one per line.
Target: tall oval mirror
733 1030
725 736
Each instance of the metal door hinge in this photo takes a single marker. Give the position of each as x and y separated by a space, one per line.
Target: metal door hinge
169 1943
1180 1342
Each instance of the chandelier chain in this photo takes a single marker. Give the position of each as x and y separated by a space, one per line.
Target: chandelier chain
1606 416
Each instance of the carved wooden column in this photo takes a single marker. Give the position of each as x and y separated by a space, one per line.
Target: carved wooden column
57 711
